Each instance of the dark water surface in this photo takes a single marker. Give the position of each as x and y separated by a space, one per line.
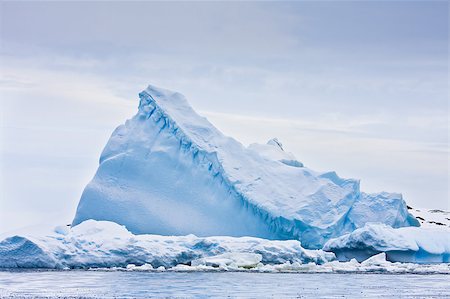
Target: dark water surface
119 284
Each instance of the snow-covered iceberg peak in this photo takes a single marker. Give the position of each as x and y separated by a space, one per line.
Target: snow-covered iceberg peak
169 171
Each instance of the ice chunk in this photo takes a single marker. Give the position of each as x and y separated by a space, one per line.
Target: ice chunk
376 260
237 259
407 244
169 171
144 267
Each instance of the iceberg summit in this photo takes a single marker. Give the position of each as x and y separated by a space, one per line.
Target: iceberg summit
172 189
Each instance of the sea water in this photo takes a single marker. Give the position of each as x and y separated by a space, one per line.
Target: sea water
121 284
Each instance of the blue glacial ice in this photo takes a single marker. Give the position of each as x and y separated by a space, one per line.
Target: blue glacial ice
169 171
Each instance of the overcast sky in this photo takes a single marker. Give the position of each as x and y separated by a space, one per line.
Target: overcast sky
356 87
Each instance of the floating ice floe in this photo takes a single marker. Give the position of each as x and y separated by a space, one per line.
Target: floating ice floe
108 244
406 244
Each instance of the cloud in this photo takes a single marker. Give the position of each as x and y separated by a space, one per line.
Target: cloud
360 88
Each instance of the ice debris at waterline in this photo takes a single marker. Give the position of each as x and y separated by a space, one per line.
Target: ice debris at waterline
169 171
108 244
375 264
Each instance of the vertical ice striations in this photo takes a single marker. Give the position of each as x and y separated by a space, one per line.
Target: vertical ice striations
169 171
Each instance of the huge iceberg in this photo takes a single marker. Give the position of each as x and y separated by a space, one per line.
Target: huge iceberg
169 171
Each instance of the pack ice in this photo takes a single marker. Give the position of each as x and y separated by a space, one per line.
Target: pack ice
169 171
105 244
94 244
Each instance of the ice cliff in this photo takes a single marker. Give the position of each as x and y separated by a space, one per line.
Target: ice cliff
169 171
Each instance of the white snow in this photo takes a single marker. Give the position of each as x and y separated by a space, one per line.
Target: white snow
169 171
406 244
431 218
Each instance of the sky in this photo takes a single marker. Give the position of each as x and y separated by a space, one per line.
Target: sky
359 87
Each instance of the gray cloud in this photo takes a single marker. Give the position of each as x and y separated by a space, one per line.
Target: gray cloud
361 88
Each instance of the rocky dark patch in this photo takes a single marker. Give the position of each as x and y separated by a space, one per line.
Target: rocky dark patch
437 223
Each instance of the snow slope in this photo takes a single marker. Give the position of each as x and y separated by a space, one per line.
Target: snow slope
107 244
431 218
169 171
406 244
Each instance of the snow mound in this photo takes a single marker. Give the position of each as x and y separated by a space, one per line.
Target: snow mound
108 244
169 171
407 244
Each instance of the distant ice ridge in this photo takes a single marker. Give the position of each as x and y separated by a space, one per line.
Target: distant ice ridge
406 244
431 218
107 244
169 171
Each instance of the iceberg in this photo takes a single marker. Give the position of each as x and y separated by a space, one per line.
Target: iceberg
104 244
168 171
406 244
